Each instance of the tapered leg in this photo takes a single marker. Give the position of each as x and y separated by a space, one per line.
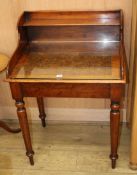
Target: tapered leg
42 114
21 111
7 128
114 130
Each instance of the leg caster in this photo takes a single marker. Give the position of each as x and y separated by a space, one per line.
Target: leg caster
42 114
114 130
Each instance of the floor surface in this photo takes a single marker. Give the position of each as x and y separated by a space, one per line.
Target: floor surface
64 149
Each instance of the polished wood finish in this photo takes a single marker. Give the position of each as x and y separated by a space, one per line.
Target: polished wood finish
80 33
80 90
42 114
21 111
114 130
56 18
69 54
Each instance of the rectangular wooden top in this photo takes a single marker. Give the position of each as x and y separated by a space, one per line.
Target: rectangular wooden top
69 61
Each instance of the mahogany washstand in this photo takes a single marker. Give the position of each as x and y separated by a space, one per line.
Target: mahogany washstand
69 54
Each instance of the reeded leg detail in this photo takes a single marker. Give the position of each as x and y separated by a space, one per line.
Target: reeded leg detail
114 130
42 114
21 111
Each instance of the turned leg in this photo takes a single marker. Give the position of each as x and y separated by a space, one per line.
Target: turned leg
21 111
7 128
42 114
114 130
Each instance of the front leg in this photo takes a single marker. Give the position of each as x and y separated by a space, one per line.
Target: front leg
114 130
22 115
42 114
